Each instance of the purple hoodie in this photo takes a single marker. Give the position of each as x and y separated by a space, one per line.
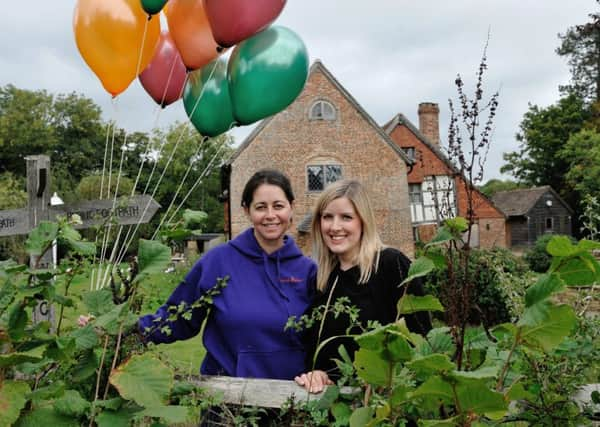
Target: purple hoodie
244 334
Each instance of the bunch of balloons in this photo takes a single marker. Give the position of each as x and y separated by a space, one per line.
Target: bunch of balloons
121 40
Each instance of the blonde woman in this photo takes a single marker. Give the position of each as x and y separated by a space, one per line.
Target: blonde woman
353 263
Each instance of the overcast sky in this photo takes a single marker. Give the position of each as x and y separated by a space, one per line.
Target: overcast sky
389 54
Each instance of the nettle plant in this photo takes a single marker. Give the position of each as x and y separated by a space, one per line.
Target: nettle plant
405 376
91 375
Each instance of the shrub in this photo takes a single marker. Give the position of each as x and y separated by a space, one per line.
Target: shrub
537 257
500 280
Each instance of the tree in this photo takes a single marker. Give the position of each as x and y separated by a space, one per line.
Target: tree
199 158
68 128
89 187
582 155
543 133
12 196
494 185
581 45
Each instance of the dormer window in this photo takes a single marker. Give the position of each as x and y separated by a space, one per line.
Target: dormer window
322 110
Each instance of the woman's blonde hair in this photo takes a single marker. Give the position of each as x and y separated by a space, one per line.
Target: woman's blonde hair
370 242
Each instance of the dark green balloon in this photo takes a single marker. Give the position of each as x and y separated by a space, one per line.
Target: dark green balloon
206 99
266 73
152 7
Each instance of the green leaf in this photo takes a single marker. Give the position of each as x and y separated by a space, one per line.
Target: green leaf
50 392
144 379
71 238
17 321
14 359
153 257
341 412
194 219
41 238
170 414
419 268
71 404
448 422
119 316
115 419
435 388
581 271
551 332
457 225
46 417
431 364
486 372
12 400
476 397
112 404
329 397
372 368
409 304
361 417
443 236
561 246
86 366
546 285
517 392
398 347
98 302
85 337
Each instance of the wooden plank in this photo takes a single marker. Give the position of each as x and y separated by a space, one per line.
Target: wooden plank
127 211
265 393
14 222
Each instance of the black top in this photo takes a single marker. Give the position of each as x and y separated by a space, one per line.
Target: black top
376 300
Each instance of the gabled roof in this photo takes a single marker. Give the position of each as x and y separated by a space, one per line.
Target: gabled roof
520 202
318 66
401 120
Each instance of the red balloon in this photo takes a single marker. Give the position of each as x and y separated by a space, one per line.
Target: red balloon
232 21
164 77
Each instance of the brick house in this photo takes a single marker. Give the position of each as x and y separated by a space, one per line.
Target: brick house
324 135
533 212
436 189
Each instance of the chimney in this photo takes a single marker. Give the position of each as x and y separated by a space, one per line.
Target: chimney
429 121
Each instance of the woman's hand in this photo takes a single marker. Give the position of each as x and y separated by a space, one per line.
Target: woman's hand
313 381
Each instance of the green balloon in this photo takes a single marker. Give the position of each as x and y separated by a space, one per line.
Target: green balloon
266 73
206 99
152 7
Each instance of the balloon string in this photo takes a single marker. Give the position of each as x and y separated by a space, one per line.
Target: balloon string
139 61
164 95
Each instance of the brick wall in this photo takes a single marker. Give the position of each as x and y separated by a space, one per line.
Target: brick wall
290 142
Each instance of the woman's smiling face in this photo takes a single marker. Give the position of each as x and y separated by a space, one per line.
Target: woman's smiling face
341 228
270 213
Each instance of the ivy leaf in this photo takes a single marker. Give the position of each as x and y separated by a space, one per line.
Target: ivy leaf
144 379
71 404
409 304
12 400
153 257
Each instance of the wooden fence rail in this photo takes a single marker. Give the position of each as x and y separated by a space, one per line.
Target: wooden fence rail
265 393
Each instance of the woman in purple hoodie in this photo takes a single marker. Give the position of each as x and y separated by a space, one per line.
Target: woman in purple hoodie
269 280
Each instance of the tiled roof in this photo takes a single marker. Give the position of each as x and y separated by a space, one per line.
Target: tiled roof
519 202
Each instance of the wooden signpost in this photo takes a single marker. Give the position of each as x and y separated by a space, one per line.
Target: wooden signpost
123 211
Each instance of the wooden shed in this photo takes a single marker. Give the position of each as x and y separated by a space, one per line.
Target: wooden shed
533 212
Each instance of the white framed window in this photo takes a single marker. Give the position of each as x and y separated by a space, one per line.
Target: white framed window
322 110
432 200
410 152
319 176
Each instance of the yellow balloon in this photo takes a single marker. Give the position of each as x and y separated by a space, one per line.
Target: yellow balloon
116 39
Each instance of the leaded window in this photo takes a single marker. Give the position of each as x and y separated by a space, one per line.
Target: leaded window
319 176
322 110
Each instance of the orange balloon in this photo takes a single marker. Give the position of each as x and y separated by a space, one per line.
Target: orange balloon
191 33
116 39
